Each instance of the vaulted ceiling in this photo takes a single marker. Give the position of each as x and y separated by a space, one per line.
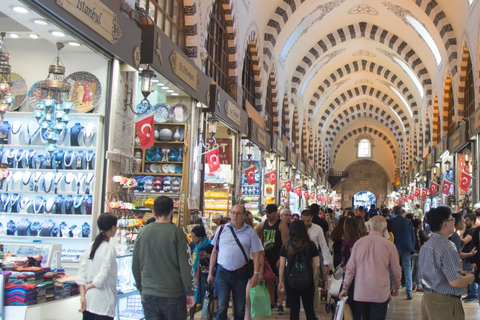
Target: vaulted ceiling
353 66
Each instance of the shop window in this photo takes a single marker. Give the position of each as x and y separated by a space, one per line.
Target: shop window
168 15
248 78
217 48
469 97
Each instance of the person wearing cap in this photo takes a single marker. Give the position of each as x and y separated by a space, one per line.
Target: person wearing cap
273 232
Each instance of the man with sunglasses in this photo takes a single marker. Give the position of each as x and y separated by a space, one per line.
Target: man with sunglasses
440 270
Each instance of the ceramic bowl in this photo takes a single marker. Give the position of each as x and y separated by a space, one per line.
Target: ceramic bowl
165 134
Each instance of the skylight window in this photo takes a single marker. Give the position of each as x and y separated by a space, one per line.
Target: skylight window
403 100
410 74
470 2
426 37
364 149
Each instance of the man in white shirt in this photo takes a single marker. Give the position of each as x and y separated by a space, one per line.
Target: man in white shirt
315 232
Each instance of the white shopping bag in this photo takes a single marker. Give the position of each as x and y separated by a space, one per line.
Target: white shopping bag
339 309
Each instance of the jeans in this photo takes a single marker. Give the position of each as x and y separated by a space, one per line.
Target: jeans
168 308
92 316
415 269
406 259
373 310
472 288
307 300
235 282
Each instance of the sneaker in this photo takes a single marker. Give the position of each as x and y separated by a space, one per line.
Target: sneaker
419 290
280 310
273 306
409 296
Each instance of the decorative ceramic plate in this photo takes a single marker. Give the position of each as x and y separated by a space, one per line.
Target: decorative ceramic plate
182 134
178 168
171 168
166 168
36 94
141 108
18 88
153 167
178 113
85 90
160 112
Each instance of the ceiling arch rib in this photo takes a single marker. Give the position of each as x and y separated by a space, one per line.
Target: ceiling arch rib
364 65
431 8
361 30
356 132
343 97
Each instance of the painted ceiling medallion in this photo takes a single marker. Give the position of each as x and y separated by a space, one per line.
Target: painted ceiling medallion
363 9
387 53
400 12
364 81
365 53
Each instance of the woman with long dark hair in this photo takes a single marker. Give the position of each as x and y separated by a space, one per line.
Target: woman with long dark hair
337 239
97 275
299 241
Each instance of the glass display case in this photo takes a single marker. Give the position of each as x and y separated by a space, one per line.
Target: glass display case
129 303
50 252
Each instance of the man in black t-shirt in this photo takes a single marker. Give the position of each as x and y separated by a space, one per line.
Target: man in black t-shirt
467 248
315 209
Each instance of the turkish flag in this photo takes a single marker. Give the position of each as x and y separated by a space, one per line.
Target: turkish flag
298 190
417 193
329 200
250 174
213 160
145 132
288 185
272 176
433 188
446 187
312 194
306 195
424 193
319 197
411 196
465 179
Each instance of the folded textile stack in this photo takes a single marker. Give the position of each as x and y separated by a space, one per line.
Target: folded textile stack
50 290
59 293
41 293
19 294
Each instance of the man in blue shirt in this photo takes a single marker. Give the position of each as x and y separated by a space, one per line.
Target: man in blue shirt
232 267
404 239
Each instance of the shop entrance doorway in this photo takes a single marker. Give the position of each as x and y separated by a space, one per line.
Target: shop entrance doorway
365 199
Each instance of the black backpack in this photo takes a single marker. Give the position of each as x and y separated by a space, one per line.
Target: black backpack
299 270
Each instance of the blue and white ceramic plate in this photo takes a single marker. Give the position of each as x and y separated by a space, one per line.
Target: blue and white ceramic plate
160 112
178 113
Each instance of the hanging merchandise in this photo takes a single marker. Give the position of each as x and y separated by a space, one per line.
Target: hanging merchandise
145 131
446 187
250 174
213 160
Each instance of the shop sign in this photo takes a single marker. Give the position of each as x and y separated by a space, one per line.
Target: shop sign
95 15
233 112
475 123
184 70
258 135
458 138
421 167
278 146
309 170
292 158
430 160
441 147
224 149
301 167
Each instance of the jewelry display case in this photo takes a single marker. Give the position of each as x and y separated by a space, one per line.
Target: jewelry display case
51 197
51 253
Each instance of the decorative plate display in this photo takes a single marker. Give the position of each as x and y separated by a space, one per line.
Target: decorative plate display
178 112
18 89
153 167
160 112
85 90
178 169
166 168
141 108
36 94
171 168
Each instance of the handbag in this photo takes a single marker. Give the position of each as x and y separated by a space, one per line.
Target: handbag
268 274
207 307
250 265
336 280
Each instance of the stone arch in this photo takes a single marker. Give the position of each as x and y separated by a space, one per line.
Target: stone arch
431 8
274 116
252 43
364 65
285 117
437 132
310 151
466 60
304 146
190 13
362 30
295 132
448 106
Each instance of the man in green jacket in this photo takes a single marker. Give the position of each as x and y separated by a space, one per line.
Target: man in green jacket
161 266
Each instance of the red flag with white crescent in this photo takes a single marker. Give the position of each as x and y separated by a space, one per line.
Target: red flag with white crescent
417 193
288 186
306 195
424 193
433 187
298 190
312 195
465 181
213 160
272 176
329 200
250 174
319 197
145 132
446 187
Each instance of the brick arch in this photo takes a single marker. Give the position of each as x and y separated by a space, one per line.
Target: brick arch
357 31
343 97
310 151
296 132
463 80
363 65
356 132
252 42
448 116
285 117
228 6
191 18
272 83
427 137
360 111
304 146
285 10
437 132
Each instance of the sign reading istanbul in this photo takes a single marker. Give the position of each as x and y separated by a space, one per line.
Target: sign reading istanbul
184 70
96 16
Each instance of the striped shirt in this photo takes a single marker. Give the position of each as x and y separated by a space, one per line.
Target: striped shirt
439 264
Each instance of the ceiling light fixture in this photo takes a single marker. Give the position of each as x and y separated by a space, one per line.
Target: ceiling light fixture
57 33
40 22
170 91
165 88
155 80
73 44
13 35
33 36
19 9
174 94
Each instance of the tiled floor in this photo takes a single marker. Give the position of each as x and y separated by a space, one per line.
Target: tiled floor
399 309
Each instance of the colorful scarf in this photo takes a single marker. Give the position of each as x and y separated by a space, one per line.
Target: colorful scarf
196 267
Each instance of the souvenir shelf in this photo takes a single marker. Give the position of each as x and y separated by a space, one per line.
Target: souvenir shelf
218 199
51 198
251 193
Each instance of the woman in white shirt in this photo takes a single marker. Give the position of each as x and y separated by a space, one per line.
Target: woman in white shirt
97 276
